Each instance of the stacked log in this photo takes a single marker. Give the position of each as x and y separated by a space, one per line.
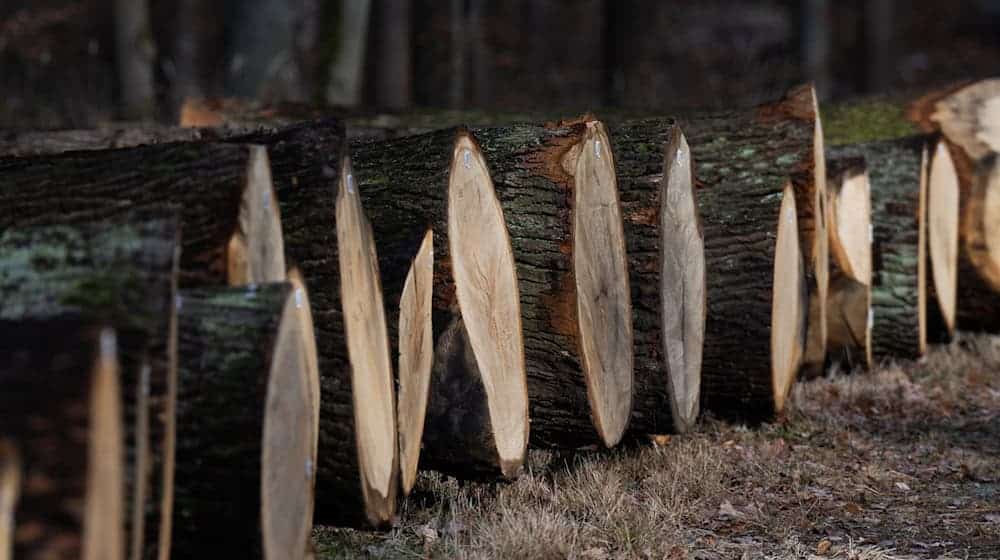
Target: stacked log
964 114
851 236
754 169
61 440
666 269
328 236
124 273
898 175
246 379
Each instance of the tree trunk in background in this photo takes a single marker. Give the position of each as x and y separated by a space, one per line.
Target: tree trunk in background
61 411
391 53
136 53
260 57
346 69
124 274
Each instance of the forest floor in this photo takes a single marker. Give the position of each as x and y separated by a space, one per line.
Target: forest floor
899 463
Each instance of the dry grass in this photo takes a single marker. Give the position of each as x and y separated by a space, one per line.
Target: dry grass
900 463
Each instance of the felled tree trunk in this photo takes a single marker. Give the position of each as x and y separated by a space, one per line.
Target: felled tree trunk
246 379
964 114
125 274
232 231
329 238
666 271
898 177
63 432
51 142
747 165
474 418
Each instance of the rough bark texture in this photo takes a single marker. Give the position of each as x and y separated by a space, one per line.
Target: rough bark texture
226 344
537 194
404 186
206 182
49 142
46 369
639 152
742 162
306 165
124 274
895 174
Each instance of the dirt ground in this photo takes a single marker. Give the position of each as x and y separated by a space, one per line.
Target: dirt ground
899 463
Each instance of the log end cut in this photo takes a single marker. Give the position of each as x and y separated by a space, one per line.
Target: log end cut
416 354
289 437
368 350
789 303
256 250
604 306
942 235
682 283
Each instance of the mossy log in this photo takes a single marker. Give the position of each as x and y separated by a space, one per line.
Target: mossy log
666 271
328 237
232 231
898 179
747 164
246 445
62 433
122 272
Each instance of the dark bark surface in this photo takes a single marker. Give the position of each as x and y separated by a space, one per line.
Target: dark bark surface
124 274
742 163
50 142
894 172
226 341
46 370
205 181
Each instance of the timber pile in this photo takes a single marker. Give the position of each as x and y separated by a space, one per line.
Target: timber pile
559 284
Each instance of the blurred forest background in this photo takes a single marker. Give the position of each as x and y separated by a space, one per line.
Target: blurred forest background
77 63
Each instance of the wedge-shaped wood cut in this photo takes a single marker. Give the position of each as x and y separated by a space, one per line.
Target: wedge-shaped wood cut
124 272
232 230
942 243
898 179
851 237
666 269
10 493
246 378
469 416
62 430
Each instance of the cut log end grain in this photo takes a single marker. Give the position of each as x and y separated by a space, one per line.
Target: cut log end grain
368 350
103 512
416 354
486 287
922 252
942 236
10 489
604 307
256 251
789 303
63 432
682 282
849 211
290 433
820 251
849 320
247 377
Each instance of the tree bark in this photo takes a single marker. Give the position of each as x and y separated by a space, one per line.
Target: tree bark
666 272
244 379
125 274
897 174
61 413
51 142
744 161
232 232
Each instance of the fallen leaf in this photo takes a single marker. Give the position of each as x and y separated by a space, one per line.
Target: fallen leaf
823 547
595 554
660 440
726 509
903 486
853 508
